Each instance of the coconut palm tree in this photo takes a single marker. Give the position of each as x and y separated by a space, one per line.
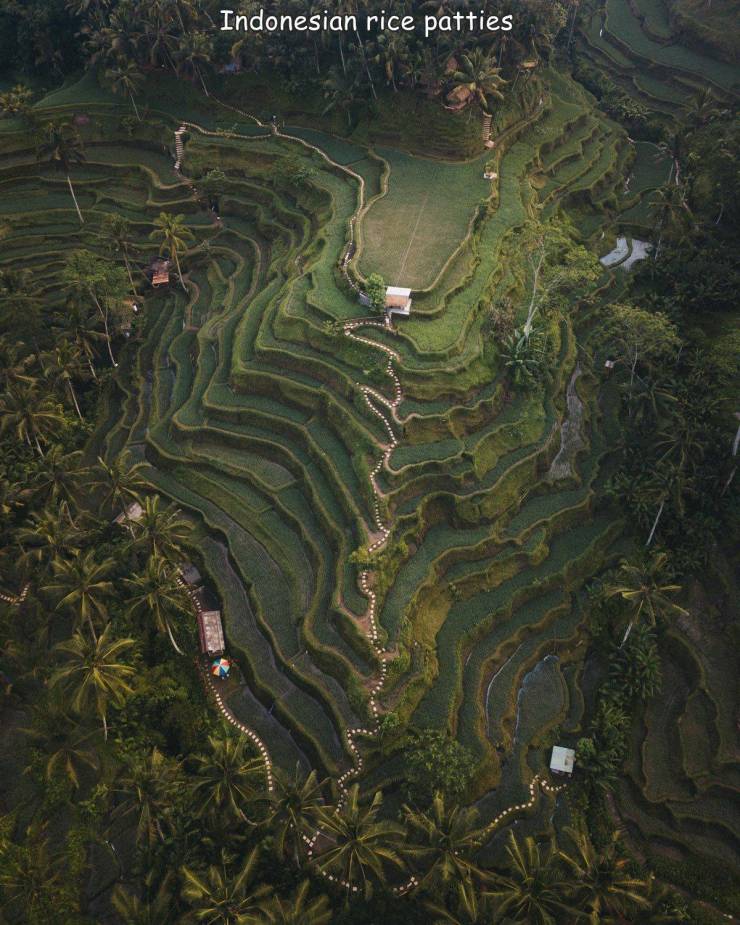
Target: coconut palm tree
94 671
58 479
80 325
30 877
155 591
61 144
360 846
87 274
147 788
478 74
195 51
340 92
62 365
647 590
172 234
298 909
31 416
160 531
118 483
292 812
227 777
441 843
126 78
534 889
469 907
601 882
82 585
67 745
156 909
116 230
219 897
16 364
48 535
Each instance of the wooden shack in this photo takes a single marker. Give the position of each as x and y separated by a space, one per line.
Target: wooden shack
211 633
160 273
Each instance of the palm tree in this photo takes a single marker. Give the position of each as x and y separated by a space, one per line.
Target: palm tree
119 484
196 50
48 535
298 909
63 365
67 745
58 479
227 777
87 274
647 590
293 810
116 229
155 591
173 234
443 842
158 909
340 91
80 324
601 883
94 671
15 363
147 788
126 78
82 585
392 55
219 897
479 75
31 416
62 145
534 890
360 845
159 531
29 878
471 907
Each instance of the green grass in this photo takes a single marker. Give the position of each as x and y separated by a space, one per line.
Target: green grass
410 232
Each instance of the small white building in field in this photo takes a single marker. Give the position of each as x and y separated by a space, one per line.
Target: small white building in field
398 301
562 760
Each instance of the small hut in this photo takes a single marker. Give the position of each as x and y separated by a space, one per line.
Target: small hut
211 633
459 98
134 512
398 301
562 760
160 273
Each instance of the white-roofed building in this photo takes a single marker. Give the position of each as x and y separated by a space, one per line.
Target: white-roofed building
398 301
562 760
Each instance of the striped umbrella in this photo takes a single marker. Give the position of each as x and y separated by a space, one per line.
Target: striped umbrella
221 667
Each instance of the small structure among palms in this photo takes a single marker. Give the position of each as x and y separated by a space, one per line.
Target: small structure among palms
160 270
476 78
562 760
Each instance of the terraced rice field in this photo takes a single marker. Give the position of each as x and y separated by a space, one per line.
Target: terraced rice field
291 444
643 49
414 228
